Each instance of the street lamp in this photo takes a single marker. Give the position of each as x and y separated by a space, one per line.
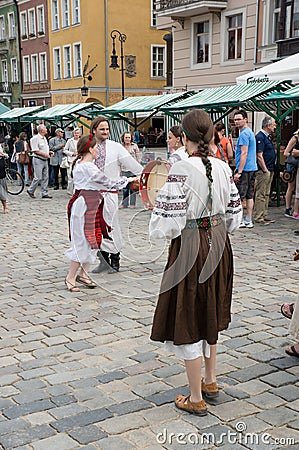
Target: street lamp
86 76
114 64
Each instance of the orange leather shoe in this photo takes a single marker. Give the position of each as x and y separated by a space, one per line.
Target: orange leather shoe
209 390
183 402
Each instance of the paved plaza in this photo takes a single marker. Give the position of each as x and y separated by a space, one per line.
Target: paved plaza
78 370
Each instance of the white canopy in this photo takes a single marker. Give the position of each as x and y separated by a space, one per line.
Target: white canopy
286 69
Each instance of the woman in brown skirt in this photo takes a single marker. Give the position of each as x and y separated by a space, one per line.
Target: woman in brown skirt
196 209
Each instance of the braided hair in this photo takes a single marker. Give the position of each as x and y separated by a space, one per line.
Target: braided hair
198 127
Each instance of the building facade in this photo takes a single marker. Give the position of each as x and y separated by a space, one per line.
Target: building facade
34 37
81 46
277 31
212 42
10 74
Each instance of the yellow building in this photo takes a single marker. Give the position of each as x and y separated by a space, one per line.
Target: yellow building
81 31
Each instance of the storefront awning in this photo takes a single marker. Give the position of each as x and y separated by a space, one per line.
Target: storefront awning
285 69
3 108
147 103
66 114
225 98
19 114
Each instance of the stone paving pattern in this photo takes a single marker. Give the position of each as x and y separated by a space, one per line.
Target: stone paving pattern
77 370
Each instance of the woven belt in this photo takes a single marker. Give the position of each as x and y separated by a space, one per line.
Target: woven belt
204 222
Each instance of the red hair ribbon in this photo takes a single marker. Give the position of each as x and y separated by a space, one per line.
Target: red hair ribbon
87 145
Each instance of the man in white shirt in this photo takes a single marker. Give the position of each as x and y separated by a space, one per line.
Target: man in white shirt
41 154
112 158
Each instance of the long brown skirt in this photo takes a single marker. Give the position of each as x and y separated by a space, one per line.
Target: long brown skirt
196 290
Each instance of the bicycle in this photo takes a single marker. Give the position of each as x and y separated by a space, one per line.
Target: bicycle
15 181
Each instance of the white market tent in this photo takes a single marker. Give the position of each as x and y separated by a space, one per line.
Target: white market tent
285 69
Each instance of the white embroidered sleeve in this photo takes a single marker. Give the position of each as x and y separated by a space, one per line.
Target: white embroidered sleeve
106 183
234 212
169 214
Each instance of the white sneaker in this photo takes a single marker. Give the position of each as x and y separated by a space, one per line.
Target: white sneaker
248 224
242 224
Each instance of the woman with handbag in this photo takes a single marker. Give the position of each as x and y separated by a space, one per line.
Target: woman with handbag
70 152
22 150
292 154
3 184
129 194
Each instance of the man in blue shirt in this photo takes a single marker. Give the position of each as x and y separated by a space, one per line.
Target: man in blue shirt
246 165
266 157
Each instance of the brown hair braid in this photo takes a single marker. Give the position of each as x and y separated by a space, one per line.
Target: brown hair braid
199 128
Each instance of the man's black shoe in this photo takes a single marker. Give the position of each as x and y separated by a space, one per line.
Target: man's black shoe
47 196
30 195
56 188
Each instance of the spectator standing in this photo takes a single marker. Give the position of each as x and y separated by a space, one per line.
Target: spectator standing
129 195
293 147
56 145
70 150
224 142
266 157
22 146
3 184
41 155
246 165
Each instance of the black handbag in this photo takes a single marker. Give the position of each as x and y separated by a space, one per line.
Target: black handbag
292 162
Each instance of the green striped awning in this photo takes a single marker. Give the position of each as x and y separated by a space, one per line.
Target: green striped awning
226 97
69 111
147 103
19 114
3 108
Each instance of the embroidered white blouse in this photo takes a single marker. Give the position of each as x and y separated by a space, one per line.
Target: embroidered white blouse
185 196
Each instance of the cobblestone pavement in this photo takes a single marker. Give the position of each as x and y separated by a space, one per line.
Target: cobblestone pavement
78 370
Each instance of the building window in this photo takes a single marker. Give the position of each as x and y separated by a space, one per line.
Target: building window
153 13
11 26
233 33
201 43
32 25
24 25
26 68
43 67
67 61
75 12
2 29
65 13
295 30
274 15
40 20
77 60
158 61
57 64
14 70
34 68
234 42
55 15
4 71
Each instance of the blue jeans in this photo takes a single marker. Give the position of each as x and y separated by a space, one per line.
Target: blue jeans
23 170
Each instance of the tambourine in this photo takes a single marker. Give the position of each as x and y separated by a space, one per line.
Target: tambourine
152 180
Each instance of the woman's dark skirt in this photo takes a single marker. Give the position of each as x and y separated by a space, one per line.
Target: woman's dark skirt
196 290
